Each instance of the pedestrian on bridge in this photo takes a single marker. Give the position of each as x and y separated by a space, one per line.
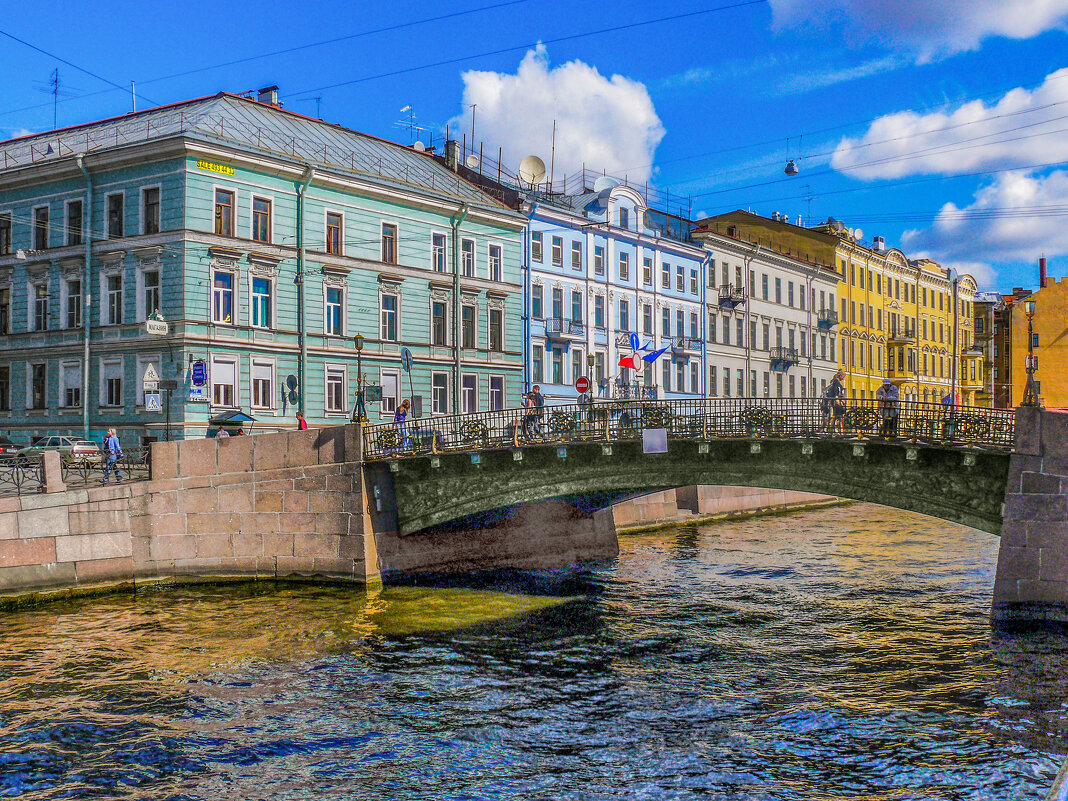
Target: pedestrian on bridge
887 398
837 395
399 418
112 454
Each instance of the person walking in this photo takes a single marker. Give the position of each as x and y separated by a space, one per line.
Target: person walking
539 408
302 424
887 397
112 454
837 395
529 413
399 417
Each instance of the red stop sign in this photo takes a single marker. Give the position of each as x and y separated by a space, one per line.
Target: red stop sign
582 384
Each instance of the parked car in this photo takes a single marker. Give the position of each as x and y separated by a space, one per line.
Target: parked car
70 449
8 447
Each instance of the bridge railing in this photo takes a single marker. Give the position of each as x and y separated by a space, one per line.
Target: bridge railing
697 419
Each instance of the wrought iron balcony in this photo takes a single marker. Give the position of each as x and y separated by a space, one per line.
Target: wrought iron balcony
784 358
899 334
681 344
827 319
559 328
731 295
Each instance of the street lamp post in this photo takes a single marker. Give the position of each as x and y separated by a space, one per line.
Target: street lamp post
1030 397
956 354
359 414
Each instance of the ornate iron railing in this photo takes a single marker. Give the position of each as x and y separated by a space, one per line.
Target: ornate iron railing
697 419
20 475
24 475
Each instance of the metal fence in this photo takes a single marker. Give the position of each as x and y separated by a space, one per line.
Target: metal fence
698 419
24 475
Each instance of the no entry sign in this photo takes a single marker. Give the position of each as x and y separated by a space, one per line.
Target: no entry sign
582 384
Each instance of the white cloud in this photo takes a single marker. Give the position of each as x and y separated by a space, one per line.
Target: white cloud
1015 219
606 123
799 82
1021 129
927 28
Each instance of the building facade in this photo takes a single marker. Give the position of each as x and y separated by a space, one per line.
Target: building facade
267 241
896 317
1049 343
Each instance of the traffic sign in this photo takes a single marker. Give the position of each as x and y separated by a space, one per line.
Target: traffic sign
152 402
406 360
582 384
150 375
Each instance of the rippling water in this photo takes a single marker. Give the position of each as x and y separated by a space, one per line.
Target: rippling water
844 653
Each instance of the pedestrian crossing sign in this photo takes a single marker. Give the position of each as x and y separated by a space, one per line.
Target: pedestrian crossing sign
152 403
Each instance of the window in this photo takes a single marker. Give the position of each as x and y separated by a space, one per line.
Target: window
5 234
113 284
666 375
535 363
111 382
469 393
764 286
665 322
624 315
624 218
598 259
647 319
693 326
790 294
467 325
38 386
222 298
558 303
390 391
5 387
74 303
496 330
335 389
262 378
150 210
778 290
598 311
261 219
624 266
557 251
739 332
437 252
438 323
335 324
680 323
598 367
223 382
537 292
713 388
467 257
665 275
389 243
262 290
536 245
74 223
40 228
576 255
40 307
495 260
388 316
727 381
680 280
693 281
5 311
680 376
116 215
576 306
647 272
70 385
496 393
695 378
726 330
439 393
224 212
711 328
333 233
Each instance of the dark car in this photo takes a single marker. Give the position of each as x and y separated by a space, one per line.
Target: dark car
8 447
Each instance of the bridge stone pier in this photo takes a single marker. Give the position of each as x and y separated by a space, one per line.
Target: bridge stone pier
1032 574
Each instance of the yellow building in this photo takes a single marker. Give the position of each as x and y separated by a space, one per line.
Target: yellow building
896 317
1050 327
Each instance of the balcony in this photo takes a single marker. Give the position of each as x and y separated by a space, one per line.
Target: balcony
971 350
827 319
783 358
901 335
633 391
731 296
559 328
685 345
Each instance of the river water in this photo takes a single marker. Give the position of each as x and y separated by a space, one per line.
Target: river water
837 654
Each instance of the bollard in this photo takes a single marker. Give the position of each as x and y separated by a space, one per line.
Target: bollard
52 472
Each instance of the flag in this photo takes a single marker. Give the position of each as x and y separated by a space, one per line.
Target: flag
652 357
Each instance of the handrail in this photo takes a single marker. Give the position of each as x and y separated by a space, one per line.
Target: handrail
694 419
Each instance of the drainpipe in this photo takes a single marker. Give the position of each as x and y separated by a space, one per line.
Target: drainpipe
747 261
704 321
528 279
87 290
302 368
456 222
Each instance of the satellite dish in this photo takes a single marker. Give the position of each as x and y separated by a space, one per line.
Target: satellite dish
858 234
531 170
850 232
419 146
472 161
604 182
291 381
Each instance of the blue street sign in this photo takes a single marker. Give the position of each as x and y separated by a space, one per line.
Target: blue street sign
200 373
152 402
406 360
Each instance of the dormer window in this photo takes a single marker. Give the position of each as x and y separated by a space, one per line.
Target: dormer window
624 218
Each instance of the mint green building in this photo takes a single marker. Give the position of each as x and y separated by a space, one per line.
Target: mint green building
266 241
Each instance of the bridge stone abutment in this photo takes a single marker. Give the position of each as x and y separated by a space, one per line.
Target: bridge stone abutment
1032 574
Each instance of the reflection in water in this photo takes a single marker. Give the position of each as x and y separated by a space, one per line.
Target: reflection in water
843 653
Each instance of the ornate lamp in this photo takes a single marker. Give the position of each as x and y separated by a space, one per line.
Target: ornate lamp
359 414
1030 397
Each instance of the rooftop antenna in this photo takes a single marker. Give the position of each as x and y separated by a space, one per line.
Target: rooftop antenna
410 111
55 98
552 158
133 96
808 198
473 107
318 106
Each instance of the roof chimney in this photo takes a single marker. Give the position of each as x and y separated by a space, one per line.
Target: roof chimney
1041 272
268 95
452 155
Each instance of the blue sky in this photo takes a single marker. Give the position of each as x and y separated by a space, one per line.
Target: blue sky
941 126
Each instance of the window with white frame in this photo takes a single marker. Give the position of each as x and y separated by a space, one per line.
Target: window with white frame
680 284
115 215
496 330
261 379
495 260
111 382
261 219
150 302
335 389
334 242
537 294
536 245
438 244
387 304
262 302
467 257
467 325
113 293
40 306
5 233
439 323
389 243
557 251
624 217
624 266
469 393
439 392
222 297
73 296
390 391
496 393
74 222
36 386
665 276
40 228
576 255
70 385
693 281
598 259
334 320
150 210
224 212
224 381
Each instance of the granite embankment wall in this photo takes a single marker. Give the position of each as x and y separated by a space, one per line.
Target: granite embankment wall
694 503
267 506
